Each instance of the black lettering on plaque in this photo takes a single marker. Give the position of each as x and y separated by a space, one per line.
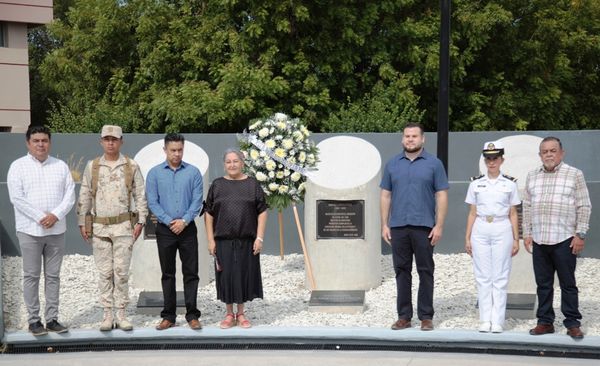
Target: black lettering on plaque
340 219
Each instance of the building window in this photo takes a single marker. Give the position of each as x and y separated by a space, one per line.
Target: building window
3 31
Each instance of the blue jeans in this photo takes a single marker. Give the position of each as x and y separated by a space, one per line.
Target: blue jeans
548 259
406 242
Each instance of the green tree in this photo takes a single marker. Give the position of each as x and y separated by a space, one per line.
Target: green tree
212 66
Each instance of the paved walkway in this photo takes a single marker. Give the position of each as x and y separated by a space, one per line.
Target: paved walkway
272 342
271 358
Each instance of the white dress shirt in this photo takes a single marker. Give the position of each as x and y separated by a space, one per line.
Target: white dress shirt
37 188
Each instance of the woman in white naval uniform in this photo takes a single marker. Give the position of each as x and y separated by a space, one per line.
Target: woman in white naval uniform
492 236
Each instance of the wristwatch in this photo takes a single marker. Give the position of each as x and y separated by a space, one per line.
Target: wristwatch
581 236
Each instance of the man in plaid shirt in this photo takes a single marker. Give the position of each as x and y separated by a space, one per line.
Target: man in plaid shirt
556 213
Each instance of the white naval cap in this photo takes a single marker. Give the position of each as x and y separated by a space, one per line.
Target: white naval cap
493 148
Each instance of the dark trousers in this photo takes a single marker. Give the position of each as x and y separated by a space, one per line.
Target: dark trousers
558 258
187 244
406 242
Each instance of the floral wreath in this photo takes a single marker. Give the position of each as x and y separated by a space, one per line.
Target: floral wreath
279 154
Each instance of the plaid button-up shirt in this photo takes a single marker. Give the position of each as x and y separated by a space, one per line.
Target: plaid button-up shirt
556 204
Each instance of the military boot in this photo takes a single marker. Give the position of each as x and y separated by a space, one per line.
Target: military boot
122 322
108 321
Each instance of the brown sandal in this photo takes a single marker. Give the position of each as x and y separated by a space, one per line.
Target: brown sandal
228 322
245 323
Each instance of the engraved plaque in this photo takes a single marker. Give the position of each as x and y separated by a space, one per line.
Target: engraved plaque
340 219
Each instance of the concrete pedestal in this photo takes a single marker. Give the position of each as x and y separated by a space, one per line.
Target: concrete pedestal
145 266
344 248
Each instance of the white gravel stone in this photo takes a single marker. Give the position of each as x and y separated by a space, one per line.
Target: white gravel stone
286 297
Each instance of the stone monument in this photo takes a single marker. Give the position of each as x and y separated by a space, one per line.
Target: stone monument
342 223
145 266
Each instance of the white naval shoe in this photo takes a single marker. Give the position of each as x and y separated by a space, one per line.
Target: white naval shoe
497 328
485 327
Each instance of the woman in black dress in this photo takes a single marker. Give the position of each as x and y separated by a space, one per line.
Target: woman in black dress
235 218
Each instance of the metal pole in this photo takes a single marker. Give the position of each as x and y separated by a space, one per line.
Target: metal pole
444 85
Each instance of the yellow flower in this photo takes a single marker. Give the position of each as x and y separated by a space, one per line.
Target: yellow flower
254 154
287 144
296 176
280 125
302 157
280 152
283 189
273 186
270 165
279 175
270 143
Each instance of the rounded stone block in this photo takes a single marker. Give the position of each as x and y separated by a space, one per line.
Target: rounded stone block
145 266
348 174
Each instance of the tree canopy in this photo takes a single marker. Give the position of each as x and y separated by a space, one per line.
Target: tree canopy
215 65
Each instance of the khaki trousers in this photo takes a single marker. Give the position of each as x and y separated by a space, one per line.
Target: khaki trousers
112 256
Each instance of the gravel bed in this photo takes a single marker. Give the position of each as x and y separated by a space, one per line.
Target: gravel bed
286 297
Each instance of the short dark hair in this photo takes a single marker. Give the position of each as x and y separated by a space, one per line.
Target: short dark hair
415 125
552 138
33 129
174 137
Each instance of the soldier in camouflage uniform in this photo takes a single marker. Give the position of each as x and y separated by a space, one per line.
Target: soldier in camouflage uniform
111 189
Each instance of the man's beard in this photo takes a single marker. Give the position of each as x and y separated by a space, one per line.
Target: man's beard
413 150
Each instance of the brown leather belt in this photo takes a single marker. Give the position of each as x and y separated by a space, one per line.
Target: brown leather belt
112 220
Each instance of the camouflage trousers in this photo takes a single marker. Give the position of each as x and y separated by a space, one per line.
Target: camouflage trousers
113 257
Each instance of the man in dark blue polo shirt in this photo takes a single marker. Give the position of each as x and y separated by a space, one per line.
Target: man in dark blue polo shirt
414 202
174 194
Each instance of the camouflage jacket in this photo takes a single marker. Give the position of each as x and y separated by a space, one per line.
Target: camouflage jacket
112 196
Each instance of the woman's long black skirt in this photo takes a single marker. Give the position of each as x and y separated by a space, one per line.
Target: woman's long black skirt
239 279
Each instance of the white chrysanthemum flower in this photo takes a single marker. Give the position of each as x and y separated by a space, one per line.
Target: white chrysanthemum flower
302 157
286 172
298 136
292 160
262 154
304 131
280 125
258 162
279 175
254 154
280 116
296 176
279 152
271 130
261 177
263 132
287 143
270 143
255 125
271 174
310 158
270 165
273 186
283 188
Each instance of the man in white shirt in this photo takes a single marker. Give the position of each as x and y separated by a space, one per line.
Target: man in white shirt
42 192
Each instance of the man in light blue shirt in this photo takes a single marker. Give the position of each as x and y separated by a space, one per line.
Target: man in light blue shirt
414 202
174 192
